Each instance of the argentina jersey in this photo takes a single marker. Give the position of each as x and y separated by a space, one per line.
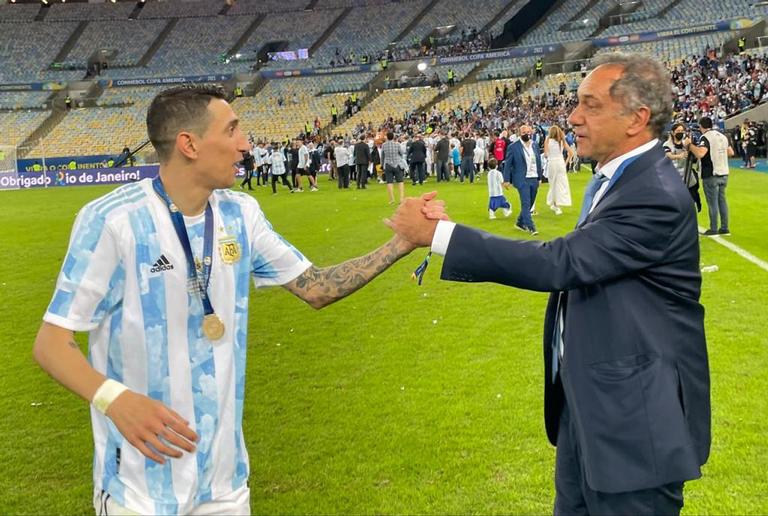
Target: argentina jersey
124 280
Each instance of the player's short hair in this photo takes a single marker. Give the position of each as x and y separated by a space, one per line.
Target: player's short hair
183 108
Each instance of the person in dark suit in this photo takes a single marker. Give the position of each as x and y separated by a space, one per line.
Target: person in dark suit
522 168
443 158
625 361
417 158
362 154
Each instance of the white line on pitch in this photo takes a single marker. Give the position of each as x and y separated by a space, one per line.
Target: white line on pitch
738 250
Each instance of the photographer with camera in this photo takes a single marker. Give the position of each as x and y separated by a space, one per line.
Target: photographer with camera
677 149
713 150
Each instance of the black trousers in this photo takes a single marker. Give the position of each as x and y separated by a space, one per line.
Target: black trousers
343 176
274 182
418 172
362 175
574 497
247 179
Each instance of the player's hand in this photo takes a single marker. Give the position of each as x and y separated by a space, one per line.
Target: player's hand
411 222
433 209
154 429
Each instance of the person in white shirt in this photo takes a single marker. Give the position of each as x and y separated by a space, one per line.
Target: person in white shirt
713 151
341 155
559 193
496 197
303 167
277 162
481 153
158 272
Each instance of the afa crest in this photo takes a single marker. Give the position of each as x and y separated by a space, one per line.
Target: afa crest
229 249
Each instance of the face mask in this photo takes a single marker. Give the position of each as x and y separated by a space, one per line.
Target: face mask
679 136
525 137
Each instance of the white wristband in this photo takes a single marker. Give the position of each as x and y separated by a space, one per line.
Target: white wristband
106 394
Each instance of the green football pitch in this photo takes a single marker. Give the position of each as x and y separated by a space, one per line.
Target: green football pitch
399 399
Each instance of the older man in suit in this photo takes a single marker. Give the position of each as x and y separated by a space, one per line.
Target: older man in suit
626 371
417 157
362 155
522 168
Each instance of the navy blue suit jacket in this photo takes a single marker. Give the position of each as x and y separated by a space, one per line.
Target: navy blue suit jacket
515 166
634 371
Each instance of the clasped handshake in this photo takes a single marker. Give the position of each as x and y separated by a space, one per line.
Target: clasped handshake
416 219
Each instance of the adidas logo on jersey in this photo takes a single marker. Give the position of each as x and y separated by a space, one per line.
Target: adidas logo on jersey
162 264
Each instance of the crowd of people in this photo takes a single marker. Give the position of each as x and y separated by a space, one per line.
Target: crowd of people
718 87
466 41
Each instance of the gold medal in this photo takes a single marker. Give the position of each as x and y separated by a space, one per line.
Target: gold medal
213 327
229 249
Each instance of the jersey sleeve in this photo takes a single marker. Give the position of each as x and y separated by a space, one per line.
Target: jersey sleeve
273 260
92 278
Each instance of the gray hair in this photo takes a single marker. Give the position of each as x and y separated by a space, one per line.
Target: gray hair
644 82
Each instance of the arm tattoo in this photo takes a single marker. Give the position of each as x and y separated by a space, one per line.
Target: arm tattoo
322 286
74 345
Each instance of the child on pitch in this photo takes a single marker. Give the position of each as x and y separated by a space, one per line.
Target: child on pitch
496 197
456 158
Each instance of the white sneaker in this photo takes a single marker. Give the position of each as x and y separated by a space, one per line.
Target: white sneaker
558 211
491 214
507 212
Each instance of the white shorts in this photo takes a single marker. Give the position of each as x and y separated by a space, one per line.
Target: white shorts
237 502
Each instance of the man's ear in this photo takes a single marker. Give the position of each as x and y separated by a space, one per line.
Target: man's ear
187 145
639 121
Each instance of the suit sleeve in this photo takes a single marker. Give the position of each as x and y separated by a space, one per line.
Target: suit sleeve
624 239
508 165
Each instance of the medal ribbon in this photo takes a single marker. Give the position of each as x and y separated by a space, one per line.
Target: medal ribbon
181 231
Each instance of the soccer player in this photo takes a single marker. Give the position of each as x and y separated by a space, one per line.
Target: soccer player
157 271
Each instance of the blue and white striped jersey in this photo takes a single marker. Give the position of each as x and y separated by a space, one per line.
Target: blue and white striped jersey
124 280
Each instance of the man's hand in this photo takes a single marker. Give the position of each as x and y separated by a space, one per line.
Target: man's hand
433 208
151 427
416 219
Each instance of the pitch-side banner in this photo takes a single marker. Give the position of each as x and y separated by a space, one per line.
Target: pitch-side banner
303 72
723 25
502 53
55 164
53 179
163 81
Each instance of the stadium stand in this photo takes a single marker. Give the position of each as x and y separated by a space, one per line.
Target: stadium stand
23 12
80 12
198 39
689 12
267 6
356 34
266 119
455 12
23 99
15 126
193 47
205 8
129 38
27 59
504 68
559 25
101 130
279 27
390 103
672 51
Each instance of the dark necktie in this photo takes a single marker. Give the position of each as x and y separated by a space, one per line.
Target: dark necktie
589 195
